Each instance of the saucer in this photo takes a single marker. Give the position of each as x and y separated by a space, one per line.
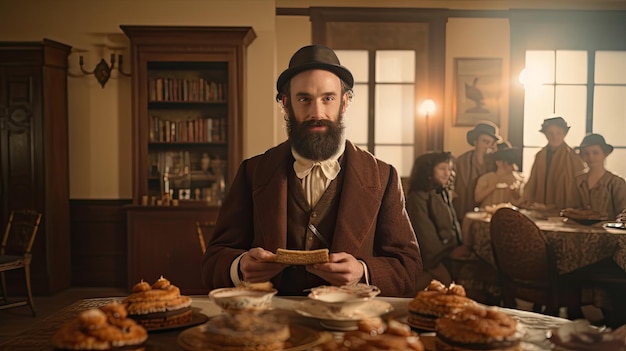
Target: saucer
343 322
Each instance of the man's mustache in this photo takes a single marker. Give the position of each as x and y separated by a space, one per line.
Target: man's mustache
317 123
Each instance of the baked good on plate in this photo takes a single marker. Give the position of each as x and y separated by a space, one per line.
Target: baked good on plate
101 328
246 331
159 305
478 328
435 301
375 334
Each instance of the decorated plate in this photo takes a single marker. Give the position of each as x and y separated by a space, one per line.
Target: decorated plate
300 338
331 320
196 318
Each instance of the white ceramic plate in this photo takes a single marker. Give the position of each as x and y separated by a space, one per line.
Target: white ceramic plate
330 320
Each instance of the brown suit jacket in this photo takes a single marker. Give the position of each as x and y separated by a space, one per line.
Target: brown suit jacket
372 223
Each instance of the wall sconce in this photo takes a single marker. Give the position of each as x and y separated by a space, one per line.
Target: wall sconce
102 71
427 107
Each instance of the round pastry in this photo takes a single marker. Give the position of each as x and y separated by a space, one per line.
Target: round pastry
246 332
158 306
397 336
100 329
478 328
436 301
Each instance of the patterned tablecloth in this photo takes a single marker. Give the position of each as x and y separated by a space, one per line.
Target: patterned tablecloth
575 246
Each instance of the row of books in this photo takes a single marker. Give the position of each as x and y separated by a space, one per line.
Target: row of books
198 130
185 90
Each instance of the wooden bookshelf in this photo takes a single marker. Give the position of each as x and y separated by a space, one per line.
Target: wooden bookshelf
188 108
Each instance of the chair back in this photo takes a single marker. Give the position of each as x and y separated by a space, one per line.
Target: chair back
20 232
520 249
204 231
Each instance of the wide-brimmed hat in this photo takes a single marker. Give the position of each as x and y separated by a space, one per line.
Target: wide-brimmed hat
595 139
314 57
483 127
554 121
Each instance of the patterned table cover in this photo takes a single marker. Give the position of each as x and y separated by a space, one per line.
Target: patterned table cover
575 246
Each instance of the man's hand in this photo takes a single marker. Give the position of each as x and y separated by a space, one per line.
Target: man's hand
257 266
342 269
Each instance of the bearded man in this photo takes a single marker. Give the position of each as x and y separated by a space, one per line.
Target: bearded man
316 190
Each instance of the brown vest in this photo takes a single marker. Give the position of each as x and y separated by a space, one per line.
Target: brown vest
299 237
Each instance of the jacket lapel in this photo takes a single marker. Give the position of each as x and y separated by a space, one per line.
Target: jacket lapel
358 199
270 198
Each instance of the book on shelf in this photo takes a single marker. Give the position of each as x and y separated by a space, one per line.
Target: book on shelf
195 130
168 89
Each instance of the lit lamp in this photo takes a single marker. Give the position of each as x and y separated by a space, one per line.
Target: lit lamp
427 108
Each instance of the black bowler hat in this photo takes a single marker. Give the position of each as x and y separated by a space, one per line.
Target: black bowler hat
314 57
595 139
554 121
484 127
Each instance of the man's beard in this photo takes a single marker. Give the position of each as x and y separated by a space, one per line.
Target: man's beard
316 146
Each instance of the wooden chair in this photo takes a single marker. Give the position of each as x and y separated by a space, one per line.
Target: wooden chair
204 231
15 252
526 264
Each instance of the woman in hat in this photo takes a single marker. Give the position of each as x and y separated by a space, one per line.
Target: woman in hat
503 185
552 180
599 189
472 164
433 217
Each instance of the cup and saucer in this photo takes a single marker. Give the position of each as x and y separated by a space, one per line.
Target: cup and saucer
341 308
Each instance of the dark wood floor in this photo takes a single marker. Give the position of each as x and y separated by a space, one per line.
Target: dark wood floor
15 320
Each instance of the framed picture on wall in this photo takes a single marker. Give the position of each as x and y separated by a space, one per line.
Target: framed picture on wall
477 86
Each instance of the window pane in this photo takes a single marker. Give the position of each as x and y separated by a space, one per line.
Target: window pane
356 116
615 162
571 104
610 67
528 158
395 66
357 62
571 67
609 113
400 157
538 105
540 66
394 114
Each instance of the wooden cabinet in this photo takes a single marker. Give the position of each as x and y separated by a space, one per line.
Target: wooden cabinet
188 106
34 153
163 241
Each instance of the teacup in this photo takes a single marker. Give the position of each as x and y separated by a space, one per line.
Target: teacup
242 298
343 300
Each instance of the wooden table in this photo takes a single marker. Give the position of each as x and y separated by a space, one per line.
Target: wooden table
39 336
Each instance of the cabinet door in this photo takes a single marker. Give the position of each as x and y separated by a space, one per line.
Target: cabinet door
162 241
19 158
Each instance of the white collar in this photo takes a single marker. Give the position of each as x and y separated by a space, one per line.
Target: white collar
330 167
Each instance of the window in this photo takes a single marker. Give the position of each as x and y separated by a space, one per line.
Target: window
384 122
560 83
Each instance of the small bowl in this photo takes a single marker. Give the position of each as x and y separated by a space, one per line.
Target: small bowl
343 300
242 298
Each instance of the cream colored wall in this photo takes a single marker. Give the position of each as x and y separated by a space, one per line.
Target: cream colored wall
100 118
474 38
292 33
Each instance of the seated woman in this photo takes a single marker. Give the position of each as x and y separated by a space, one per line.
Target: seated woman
599 189
503 185
433 217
